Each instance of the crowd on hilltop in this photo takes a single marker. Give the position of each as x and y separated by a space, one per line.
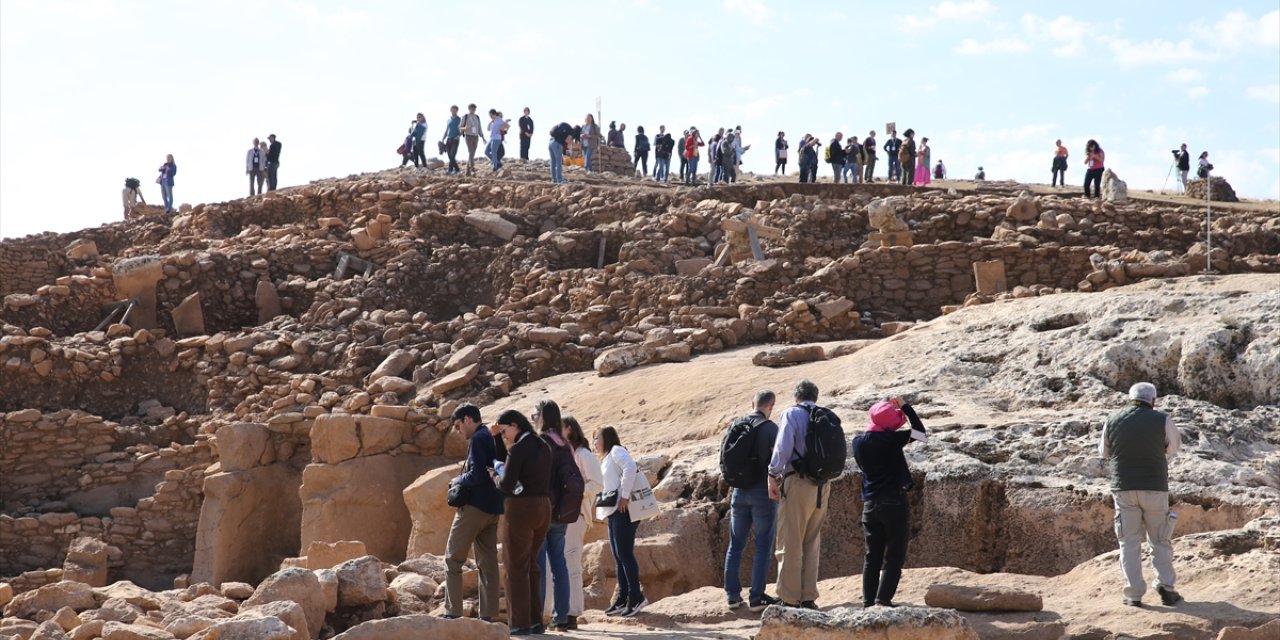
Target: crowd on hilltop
549 482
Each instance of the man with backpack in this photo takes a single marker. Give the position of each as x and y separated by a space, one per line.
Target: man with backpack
744 462
836 155
809 452
567 487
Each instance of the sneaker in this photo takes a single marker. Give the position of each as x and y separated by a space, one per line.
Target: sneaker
521 631
538 629
763 602
1132 602
616 610
809 604
885 603
1168 597
736 603
636 608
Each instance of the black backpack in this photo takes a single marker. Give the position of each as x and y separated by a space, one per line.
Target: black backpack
567 485
825 448
740 462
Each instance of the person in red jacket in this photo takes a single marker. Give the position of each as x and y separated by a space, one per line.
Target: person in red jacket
691 145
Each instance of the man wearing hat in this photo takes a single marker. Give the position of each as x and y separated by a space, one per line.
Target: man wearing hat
886 525
1139 441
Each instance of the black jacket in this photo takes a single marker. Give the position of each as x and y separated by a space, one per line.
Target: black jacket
1184 161
879 455
273 152
837 152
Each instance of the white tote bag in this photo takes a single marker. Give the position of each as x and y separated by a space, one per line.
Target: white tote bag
643 504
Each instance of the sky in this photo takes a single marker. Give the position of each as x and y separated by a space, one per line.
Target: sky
94 91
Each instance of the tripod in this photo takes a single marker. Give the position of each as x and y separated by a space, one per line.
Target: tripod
1164 186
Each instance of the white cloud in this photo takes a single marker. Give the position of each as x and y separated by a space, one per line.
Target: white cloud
1185 76
1237 30
948 11
1130 54
1067 35
1000 45
753 10
1266 93
1197 91
758 107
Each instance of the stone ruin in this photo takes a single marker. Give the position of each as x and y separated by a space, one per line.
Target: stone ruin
272 408
1221 192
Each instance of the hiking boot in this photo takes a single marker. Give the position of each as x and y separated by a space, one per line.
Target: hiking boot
809 604
885 603
1168 597
736 603
763 602
1132 602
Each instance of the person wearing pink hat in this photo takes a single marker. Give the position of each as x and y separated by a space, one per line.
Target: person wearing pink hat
886 479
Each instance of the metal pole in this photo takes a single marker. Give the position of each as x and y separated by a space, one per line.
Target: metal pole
1208 222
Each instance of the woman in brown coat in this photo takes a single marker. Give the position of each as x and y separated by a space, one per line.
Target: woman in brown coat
526 481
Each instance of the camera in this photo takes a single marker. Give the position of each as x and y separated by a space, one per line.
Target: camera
1176 152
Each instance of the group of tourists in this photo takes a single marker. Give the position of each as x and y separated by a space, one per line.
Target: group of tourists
548 481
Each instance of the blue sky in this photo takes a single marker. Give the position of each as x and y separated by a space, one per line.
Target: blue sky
95 91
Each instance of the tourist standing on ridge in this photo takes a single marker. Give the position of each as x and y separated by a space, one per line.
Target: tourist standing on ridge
167 171
452 132
683 152
1184 165
262 177
907 157
475 523
740 148
621 478
130 196
691 144
836 155
273 162
808 152
1139 441
1059 165
713 155
526 134
588 139
614 138
802 498
1205 167
744 461
494 150
589 466
641 151
886 524
472 130
780 147
891 147
255 166
869 156
417 142
980 175
1094 161
922 162
729 158
567 485
663 144
939 171
852 161
560 135
526 481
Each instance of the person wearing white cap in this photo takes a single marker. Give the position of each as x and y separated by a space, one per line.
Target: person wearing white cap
1139 441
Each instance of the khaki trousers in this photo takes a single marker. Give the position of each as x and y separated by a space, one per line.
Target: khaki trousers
525 529
472 530
1144 514
799 538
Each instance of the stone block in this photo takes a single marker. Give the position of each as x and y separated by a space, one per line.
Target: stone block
981 598
990 277
455 380
241 445
492 224
418 626
293 585
785 356
267 300
82 249
463 357
188 316
86 562
692 266
136 278
431 516
327 555
51 597
360 499
361 582
846 623
249 520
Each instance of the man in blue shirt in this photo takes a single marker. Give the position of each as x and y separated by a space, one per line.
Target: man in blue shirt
802 505
475 525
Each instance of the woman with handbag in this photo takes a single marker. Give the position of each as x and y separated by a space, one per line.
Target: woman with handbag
621 481
165 180
526 481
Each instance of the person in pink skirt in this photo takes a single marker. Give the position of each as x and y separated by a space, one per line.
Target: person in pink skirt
922 162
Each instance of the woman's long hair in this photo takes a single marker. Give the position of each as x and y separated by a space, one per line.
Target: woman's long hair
574 434
511 416
609 438
549 411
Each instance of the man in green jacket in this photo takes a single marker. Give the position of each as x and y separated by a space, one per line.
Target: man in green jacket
1139 441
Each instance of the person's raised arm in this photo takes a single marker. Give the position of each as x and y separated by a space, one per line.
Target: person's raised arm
917 426
1172 439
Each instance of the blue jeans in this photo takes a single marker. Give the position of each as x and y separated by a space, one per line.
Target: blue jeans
750 510
166 193
692 178
661 168
491 152
622 540
553 548
587 152
850 173
557 161
895 167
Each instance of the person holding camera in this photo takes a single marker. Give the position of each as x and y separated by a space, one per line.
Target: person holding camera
475 523
1094 159
1205 167
886 523
1183 159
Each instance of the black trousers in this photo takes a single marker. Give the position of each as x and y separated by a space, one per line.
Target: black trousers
886 526
908 172
780 166
451 148
808 172
418 154
1094 176
524 147
272 167
642 159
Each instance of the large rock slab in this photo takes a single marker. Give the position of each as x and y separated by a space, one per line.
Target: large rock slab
86 562
248 629
241 445
492 223
248 523
977 598
360 499
611 361
785 356
339 437
361 582
420 626
877 623
430 514
51 597
293 585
